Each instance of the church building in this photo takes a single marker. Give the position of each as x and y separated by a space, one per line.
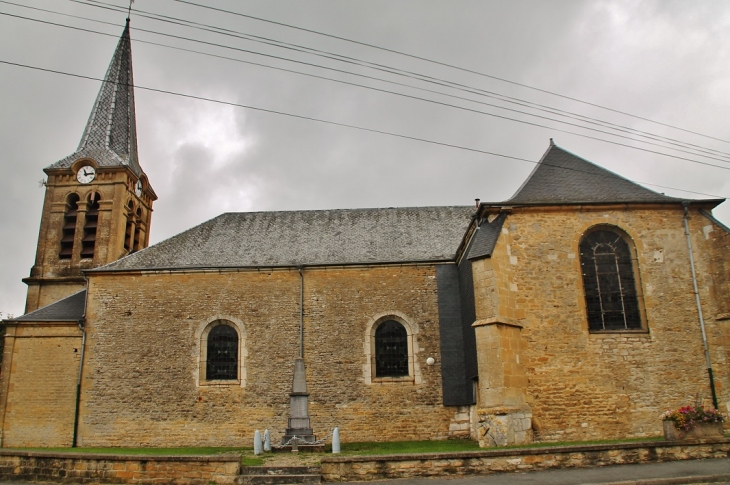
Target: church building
580 309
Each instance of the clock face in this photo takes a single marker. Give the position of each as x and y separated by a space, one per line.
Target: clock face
86 174
138 188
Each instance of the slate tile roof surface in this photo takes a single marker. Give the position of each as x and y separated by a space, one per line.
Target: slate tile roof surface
344 236
70 308
486 237
563 178
110 137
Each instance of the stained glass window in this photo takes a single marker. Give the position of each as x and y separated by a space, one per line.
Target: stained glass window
608 278
391 350
222 356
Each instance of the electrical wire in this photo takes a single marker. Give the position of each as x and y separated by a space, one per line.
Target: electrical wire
422 99
420 77
412 56
329 122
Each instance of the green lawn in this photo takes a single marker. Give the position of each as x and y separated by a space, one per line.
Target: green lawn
348 449
145 451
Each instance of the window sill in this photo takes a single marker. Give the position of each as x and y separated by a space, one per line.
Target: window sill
221 383
637 331
384 380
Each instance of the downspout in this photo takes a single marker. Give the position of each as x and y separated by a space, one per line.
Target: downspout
699 306
81 367
301 313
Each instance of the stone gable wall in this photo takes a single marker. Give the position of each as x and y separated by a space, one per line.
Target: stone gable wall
38 404
585 385
139 386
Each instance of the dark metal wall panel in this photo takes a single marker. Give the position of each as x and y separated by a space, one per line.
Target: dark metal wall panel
468 316
455 389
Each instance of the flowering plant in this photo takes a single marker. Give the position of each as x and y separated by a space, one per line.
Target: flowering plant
687 417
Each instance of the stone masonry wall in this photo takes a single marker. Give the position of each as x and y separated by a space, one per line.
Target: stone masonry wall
77 468
585 385
140 375
364 468
40 401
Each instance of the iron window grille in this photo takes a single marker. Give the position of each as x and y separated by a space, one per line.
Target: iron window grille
391 350
222 354
608 279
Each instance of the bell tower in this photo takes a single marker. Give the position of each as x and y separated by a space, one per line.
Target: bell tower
98 201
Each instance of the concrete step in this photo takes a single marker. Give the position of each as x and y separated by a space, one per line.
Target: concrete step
271 475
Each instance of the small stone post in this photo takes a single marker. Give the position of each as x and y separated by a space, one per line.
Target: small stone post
336 440
257 446
267 440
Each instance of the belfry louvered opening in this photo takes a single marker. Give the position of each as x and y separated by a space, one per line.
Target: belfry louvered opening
88 243
129 228
68 232
609 281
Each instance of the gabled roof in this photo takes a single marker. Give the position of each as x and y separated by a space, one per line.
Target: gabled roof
298 238
70 309
564 178
110 137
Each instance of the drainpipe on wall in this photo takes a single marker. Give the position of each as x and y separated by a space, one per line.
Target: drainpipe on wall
301 313
699 306
81 367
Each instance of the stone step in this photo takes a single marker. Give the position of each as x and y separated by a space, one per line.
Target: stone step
278 475
280 470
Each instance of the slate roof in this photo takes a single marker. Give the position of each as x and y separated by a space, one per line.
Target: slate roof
564 178
110 137
70 308
486 237
325 237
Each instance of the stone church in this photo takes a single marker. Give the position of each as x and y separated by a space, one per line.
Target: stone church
581 308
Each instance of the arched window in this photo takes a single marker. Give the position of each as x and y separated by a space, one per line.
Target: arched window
68 232
137 245
391 349
222 354
612 302
129 229
90 223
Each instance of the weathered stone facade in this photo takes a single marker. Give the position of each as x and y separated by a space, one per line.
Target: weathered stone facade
147 394
588 385
38 404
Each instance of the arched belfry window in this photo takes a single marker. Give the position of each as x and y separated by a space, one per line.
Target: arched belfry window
90 224
129 228
222 353
68 232
609 280
391 349
137 245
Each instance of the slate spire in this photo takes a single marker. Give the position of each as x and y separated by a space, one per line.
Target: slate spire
110 137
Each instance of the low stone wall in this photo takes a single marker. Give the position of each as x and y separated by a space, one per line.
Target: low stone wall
95 468
361 468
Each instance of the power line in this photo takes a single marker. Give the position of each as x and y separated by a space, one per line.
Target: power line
412 56
420 77
409 96
318 120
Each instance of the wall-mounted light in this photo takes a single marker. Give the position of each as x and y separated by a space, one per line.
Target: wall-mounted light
430 361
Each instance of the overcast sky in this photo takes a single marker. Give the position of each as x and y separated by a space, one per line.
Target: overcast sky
666 61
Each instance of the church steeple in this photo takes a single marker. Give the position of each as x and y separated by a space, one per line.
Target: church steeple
110 137
98 203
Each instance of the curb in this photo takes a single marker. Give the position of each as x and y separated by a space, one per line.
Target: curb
697 479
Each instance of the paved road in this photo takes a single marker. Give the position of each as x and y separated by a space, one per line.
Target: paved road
669 473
